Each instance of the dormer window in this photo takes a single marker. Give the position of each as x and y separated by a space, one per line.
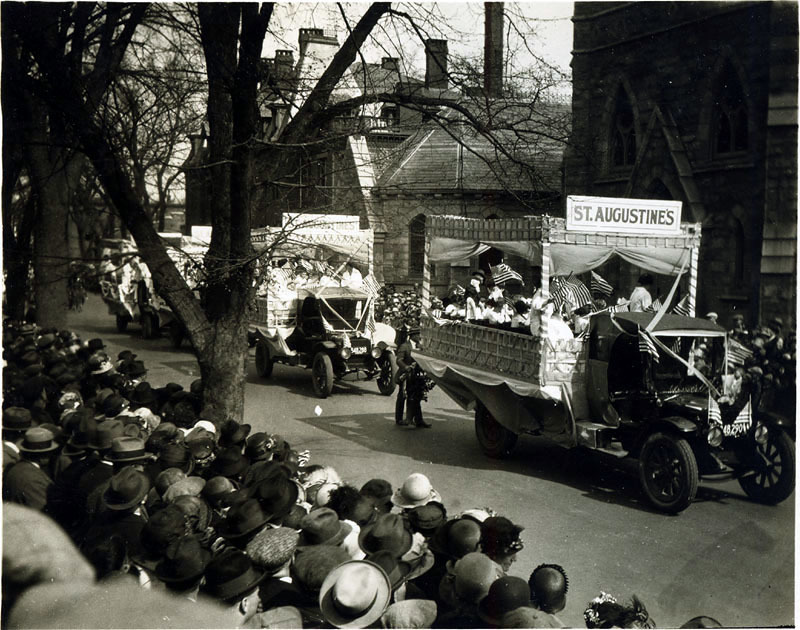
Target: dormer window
729 114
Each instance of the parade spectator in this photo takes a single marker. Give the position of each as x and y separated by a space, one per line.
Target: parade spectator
549 585
28 481
408 340
232 579
605 612
500 540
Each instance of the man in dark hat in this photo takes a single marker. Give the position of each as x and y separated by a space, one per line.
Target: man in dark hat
26 482
232 579
16 420
409 385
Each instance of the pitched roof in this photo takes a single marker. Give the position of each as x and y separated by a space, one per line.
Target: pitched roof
521 150
374 78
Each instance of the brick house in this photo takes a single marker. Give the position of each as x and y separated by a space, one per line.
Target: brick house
697 101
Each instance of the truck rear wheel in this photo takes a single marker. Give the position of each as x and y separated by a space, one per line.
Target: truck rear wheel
773 481
494 439
322 375
264 361
668 472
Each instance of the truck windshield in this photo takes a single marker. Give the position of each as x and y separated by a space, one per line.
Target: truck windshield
348 309
706 356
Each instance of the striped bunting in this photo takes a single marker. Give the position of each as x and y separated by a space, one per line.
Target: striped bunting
682 307
714 414
599 285
503 273
647 345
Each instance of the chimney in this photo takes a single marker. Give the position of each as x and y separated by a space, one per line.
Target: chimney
436 64
284 62
315 35
493 49
390 63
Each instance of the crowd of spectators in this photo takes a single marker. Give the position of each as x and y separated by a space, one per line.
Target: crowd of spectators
124 506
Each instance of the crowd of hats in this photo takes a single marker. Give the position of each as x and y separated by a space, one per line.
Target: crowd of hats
398 308
205 509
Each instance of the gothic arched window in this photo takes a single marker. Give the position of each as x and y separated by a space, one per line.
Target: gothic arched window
416 246
729 114
623 132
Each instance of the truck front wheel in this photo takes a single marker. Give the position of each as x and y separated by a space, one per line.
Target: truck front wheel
264 360
494 439
322 375
668 472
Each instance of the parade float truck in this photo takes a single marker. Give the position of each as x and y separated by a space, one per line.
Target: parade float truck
327 326
632 387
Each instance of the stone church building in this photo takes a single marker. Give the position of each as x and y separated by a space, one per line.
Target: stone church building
697 102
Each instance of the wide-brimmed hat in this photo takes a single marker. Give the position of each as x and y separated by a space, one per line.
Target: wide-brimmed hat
456 538
188 486
273 547
389 532
127 449
84 427
499 536
323 527
276 494
133 368
176 456
114 405
506 593
105 433
185 560
230 462
17 419
397 570
102 367
548 586
143 394
95 344
243 519
312 565
427 518
126 489
38 440
355 594
415 491
478 274
231 574
162 528
232 433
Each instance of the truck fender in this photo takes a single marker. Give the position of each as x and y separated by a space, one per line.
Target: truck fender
327 345
772 419
670 424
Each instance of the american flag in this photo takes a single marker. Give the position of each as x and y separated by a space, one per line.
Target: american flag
503 273
647 345
618 308
654 307
570 290
599 285
371 286
682 307
714 414
370 322
738 354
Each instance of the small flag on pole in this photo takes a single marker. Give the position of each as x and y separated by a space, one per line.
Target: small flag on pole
682 307
647 345
654 307
371 286
370 323
503 273
599 285
738 354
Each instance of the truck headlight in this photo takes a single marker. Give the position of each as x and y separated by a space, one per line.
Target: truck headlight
345 353
761 434
376 353
714 436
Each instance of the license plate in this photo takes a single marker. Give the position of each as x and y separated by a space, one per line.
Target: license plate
360 350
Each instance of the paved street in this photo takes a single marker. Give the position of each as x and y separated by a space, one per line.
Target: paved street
725 556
